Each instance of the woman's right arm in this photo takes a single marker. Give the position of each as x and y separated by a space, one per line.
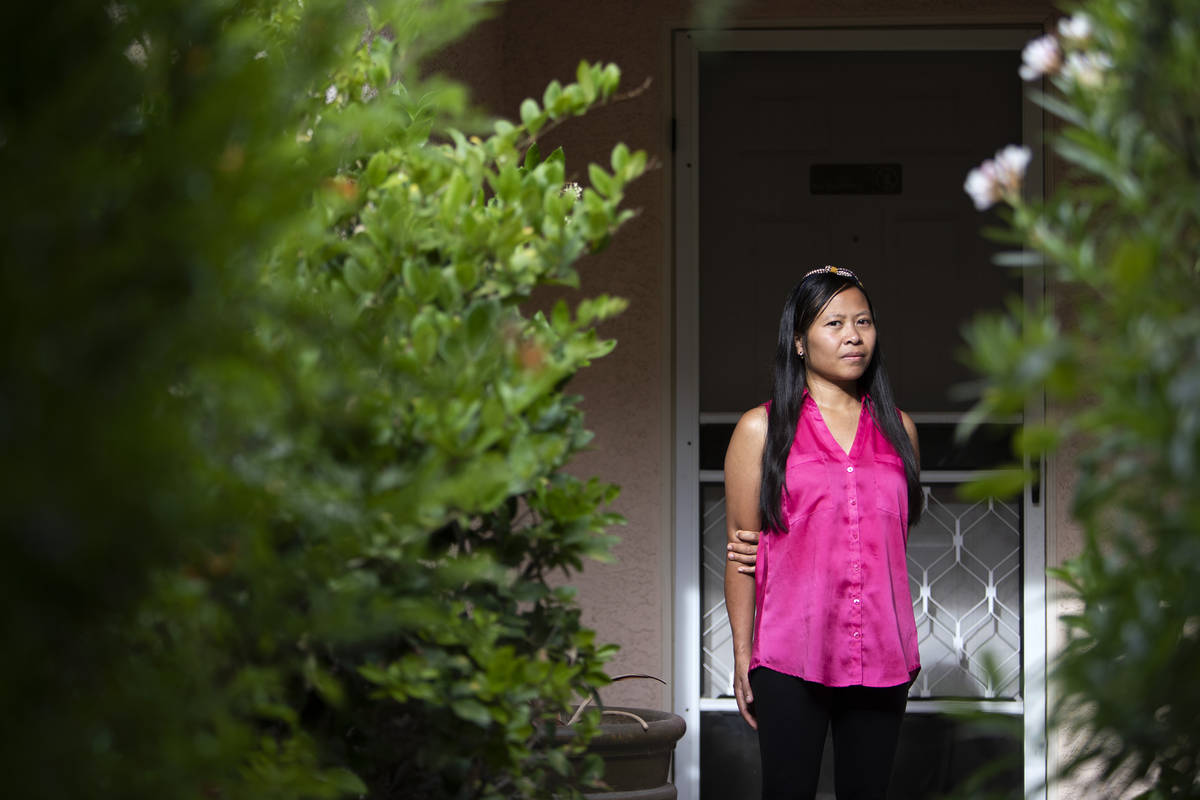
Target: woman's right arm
743 476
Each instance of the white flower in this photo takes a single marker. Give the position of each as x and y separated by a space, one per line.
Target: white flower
331 94
261 54
369 93
1010 166
1040 57
572 188
136 53
1076 29
999 178
1086 69
982 185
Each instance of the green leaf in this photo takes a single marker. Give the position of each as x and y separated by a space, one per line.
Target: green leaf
325 684
1132 263
620 158
466 272
1058 107
424 339
377 169
356 276
481 324
507 184
1035 440
601 180
560 318
599 308
586 75
636 166
529 110
380 73
1097 156
455 199
610 78
573 100
533 156
1001 484
551 96
344 781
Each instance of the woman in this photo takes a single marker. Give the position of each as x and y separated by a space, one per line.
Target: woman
823 627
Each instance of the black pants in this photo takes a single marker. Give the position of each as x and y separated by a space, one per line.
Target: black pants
793 718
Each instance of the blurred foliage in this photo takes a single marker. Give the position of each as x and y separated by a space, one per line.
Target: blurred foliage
1120 364
284 458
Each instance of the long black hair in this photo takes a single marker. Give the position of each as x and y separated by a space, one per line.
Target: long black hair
804 303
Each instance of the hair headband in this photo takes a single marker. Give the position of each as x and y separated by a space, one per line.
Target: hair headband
839 271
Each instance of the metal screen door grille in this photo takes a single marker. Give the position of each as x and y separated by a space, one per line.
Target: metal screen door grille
964 570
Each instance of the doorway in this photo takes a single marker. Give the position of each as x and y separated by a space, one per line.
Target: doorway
802 148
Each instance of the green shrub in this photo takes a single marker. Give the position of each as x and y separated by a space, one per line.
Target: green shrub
285 473
1120 363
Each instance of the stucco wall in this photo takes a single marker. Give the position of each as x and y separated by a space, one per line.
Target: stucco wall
628 394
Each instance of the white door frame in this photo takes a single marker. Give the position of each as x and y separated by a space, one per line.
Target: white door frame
686 49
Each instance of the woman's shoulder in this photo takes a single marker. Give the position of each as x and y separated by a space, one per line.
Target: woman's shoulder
910 428
751 427
755 419
747 442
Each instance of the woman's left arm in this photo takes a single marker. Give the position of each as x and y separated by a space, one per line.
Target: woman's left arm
743 477
910 428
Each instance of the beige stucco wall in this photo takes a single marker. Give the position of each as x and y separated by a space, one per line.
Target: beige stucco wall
506 60
629 394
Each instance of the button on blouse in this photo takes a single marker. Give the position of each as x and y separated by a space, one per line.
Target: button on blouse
832 603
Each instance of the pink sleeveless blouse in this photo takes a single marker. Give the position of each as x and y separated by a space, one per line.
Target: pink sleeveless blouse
832 603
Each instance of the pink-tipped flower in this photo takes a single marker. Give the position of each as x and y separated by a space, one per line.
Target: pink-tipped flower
982 185
1086 70
999 178
1011 163
1041 56
1076 29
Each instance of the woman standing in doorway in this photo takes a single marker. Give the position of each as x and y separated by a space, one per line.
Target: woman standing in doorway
823 626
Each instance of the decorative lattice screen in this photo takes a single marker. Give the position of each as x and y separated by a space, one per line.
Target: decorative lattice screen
964 567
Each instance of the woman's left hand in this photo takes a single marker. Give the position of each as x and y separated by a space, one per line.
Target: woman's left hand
742 691
744 551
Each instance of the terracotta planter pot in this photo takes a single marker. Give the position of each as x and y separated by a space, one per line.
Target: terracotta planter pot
637 762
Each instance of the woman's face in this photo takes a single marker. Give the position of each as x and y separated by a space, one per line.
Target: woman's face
840 342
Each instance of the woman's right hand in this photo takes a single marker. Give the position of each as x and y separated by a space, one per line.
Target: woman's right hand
742 691
744 551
